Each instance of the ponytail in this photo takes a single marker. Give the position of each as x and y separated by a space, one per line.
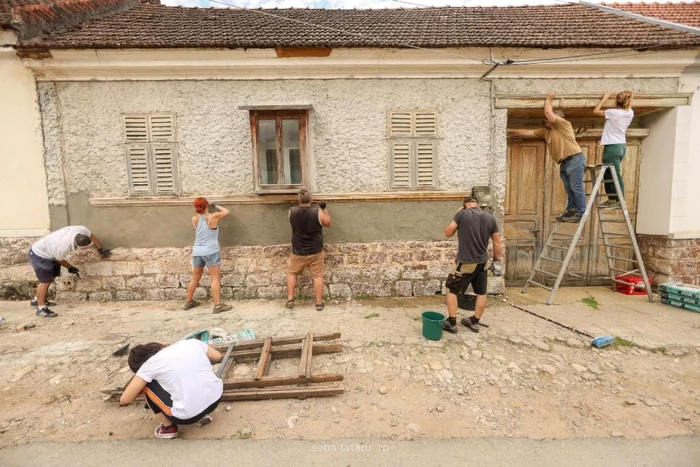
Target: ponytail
624 100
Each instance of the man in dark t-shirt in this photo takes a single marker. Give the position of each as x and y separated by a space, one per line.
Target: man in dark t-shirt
474 228
307 245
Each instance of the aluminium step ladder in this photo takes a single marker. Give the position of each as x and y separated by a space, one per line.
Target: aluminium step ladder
606 222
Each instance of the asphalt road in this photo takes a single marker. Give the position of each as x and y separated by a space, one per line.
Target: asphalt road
481 452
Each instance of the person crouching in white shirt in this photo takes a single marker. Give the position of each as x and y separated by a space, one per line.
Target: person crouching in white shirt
178 381
614 140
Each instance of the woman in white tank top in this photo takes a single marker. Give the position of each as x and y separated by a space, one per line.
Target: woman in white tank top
614 140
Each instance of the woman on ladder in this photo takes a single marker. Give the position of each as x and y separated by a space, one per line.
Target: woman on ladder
614 140
206 252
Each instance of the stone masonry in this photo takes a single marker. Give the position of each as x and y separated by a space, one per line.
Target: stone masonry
387 269
671 260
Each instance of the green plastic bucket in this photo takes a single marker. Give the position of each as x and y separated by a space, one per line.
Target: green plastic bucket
432 325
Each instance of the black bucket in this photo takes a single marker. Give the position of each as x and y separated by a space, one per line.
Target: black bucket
466 301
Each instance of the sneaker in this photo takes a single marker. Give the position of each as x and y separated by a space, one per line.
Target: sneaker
190 305
221 307
564 214
48 303
446 326
166 433
45 313
609 204
571 218
467 322
205 420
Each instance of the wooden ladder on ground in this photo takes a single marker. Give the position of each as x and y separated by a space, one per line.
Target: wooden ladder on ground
609 237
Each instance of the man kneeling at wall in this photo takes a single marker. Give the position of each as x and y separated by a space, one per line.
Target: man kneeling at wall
179 382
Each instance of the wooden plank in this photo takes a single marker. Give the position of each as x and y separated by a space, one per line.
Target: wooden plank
248 345
225 361
288 351
309 355
277 393
304 355
521 101
264 359
266 381
271 381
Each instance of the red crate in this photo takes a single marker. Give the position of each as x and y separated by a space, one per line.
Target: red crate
637 289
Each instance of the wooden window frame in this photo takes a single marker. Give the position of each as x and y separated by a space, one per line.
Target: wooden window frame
412 138
150 144
303 116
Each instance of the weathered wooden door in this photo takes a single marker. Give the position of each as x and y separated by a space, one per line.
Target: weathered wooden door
524 208
534 193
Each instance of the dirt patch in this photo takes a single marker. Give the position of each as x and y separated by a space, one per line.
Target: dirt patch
520 377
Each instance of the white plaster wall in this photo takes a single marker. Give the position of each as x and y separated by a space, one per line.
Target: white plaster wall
689 224
347 132
24 210
656 174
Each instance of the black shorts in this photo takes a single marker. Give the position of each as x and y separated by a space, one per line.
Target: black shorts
458 283
46 269
159 401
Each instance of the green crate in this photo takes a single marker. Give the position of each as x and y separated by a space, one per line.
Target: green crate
682 305
684 290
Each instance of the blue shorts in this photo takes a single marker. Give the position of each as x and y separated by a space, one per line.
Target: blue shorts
46 269
208 260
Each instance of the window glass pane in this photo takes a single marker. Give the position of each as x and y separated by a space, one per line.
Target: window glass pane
291 151
268 151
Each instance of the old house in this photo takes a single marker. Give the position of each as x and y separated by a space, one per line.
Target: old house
390 116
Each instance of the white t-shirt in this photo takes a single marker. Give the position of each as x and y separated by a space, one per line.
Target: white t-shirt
59 244
184 370
616 123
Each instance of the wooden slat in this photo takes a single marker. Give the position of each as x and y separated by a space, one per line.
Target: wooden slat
278 393
287 351
306 353
266 381
225 361
278 341
264 359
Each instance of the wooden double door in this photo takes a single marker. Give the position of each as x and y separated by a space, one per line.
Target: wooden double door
535 197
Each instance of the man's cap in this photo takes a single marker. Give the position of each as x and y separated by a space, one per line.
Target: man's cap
470 199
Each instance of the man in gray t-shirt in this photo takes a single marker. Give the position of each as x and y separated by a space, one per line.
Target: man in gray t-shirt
474 229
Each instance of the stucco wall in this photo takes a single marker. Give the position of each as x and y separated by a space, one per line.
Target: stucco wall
22 177
347 133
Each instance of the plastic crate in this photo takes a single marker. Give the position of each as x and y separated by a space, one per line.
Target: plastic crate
637 289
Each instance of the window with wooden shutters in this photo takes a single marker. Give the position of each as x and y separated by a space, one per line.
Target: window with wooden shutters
150 144
413 140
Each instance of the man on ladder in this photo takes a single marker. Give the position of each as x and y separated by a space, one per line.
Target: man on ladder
565 151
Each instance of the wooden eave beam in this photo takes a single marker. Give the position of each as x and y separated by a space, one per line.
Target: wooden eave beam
524 101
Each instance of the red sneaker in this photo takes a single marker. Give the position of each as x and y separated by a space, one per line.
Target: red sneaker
166 433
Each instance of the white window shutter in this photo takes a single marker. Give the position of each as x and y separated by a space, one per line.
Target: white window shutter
425 164
136 128
400 123
164 169
161 127
138 162
425 123
401 157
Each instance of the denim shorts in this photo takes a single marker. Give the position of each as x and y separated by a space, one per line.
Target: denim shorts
208 260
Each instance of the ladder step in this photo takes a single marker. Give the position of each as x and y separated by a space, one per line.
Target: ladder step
613 221
575 275
620 258
558 247
539 285
626 283
546 272
625 271
552 260
612 234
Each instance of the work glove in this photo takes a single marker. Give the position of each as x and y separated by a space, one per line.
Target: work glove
74 270
496 267
322 204
104 252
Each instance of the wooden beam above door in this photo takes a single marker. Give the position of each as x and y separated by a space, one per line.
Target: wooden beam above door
571 101
632 133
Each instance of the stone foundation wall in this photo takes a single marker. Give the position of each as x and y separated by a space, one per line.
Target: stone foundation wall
671 260
386 269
